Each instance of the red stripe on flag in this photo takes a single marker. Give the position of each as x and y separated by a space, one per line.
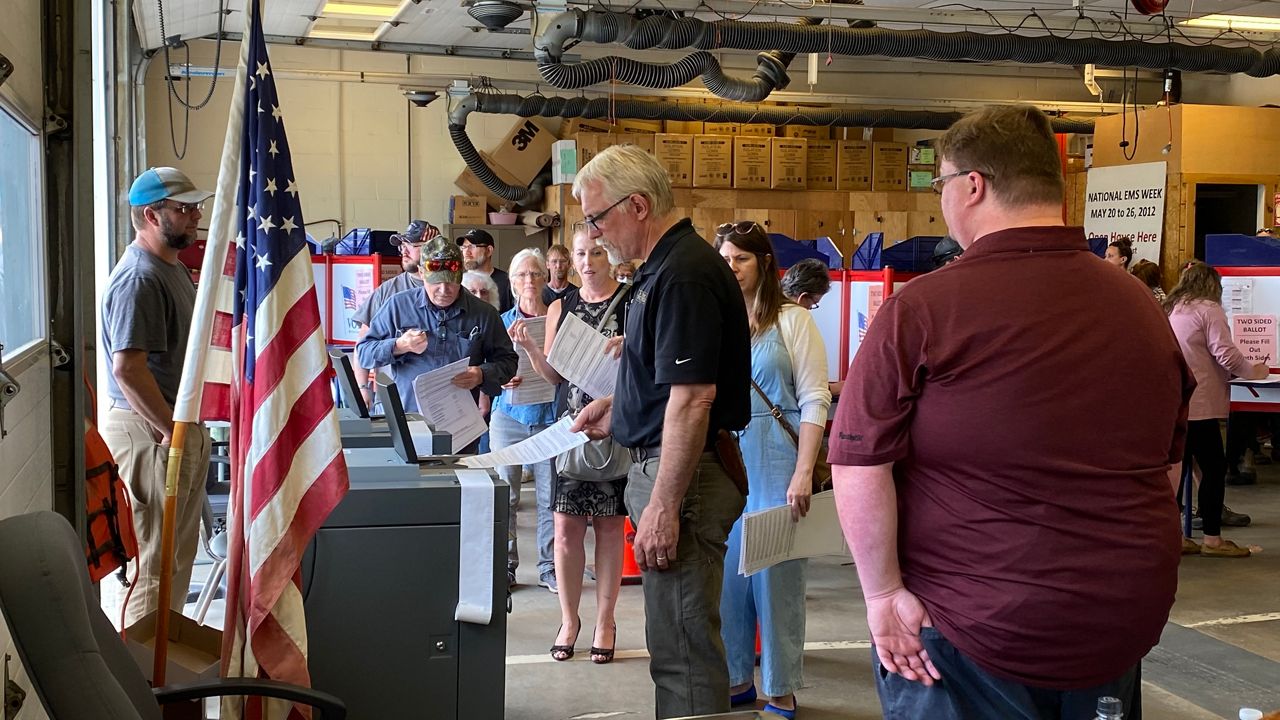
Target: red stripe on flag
312 407
298 324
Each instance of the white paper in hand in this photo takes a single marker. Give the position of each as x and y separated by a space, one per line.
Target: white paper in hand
579 355
770 536
447 407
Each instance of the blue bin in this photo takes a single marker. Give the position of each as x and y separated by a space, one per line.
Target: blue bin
1241 251
913 256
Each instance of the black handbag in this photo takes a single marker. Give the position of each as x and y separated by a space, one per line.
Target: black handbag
602 460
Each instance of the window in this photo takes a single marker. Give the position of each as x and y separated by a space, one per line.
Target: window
21 247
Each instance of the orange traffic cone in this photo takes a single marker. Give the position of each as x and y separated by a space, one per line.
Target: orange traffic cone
630 570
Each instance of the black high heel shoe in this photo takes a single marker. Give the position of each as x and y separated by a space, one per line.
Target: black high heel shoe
560 653
604 656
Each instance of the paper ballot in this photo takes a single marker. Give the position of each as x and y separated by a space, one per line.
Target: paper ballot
533 390
771 536
447 407
543 446
578 354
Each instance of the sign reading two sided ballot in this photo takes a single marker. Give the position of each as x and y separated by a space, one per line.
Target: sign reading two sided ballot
1255 335
1127 201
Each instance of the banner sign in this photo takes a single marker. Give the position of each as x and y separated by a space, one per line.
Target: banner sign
1127 201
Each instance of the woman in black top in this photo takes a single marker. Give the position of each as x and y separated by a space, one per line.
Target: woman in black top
574 501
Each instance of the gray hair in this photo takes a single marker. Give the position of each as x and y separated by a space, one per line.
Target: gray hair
807 276
526 254
475 276
623 170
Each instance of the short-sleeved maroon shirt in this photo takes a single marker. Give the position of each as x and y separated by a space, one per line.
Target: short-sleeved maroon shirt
1031 398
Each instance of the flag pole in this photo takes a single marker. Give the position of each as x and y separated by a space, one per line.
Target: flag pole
160 658
187 408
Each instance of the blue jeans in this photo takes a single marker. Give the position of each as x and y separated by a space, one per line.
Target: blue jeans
774 598
969 692
506 431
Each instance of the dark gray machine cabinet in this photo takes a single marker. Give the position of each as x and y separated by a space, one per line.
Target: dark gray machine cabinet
380 585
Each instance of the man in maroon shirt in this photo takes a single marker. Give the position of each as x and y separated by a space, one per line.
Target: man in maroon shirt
1001 412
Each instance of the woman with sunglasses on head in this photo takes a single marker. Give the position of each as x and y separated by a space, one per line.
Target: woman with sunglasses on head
576 501
510 423
789 370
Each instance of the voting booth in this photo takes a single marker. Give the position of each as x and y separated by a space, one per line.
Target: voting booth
343 283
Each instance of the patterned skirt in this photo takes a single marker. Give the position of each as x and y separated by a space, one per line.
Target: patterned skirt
598 499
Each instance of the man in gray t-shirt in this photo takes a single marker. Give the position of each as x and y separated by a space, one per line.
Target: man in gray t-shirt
146 318
410 242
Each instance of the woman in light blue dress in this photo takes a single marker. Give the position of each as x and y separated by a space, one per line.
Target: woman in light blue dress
789 364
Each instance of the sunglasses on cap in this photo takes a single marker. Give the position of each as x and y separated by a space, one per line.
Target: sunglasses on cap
741 227
452 266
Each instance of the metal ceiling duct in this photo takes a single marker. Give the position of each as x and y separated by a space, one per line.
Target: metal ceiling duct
495 14
552 107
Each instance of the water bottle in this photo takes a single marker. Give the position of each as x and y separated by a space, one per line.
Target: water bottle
1250 714
1110 708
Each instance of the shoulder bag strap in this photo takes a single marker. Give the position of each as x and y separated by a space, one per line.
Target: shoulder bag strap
776 412
613 306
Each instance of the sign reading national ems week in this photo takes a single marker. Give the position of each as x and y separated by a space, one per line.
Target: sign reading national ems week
1255 335
1127 201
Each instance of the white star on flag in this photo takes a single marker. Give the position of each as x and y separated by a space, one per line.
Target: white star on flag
263 262
271 186
262 72
291 188
288 225
240 243
273 149
267 225
275 112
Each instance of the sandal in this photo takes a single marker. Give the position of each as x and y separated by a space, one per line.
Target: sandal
1190 547
783 712
560 653
604 656
1227 549
746 697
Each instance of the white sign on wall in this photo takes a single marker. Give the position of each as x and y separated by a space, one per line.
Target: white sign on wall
1127 201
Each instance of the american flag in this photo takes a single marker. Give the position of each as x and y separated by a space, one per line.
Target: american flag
862 327
267 371
349 298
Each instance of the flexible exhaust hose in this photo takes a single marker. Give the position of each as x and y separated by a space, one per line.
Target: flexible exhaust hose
674 33
550 107
770 74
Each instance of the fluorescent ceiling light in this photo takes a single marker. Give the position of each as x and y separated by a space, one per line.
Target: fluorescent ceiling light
1235 22
361 10
342 34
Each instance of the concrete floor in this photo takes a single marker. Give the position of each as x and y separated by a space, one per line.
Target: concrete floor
1227 656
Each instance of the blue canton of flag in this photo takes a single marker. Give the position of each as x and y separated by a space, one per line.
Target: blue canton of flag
349 298
271 231
862 327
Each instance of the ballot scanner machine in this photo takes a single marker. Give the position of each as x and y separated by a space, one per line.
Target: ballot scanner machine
380 584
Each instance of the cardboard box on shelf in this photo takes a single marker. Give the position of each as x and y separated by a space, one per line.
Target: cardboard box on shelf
684 127
674 152
526 149
921 155
864 134
712 161
918 177
573 126
639 126
467 210
821 165
194 649
719 128
471 185
888 166
756 130
564 161
790 163
853 158
588 144
808 132
751 158
642 140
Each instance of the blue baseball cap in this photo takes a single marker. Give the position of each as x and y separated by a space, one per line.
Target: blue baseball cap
165 183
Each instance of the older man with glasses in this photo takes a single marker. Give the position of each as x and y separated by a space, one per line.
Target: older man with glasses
417 331
146 318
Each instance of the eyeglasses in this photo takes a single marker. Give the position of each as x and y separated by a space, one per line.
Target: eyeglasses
529 275
452 266
742 227
593 220
939 182
186 208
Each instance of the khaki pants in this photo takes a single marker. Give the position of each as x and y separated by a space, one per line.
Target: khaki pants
142 469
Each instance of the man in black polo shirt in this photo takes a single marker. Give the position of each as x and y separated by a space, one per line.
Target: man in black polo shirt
686 365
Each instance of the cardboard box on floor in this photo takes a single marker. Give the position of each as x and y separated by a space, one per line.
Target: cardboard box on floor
194 650
526 148
821 165
853 158
674 152
751 159
888 166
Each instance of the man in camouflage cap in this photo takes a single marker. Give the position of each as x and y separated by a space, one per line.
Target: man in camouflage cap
417 331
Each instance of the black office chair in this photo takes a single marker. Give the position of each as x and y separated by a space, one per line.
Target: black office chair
78 666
